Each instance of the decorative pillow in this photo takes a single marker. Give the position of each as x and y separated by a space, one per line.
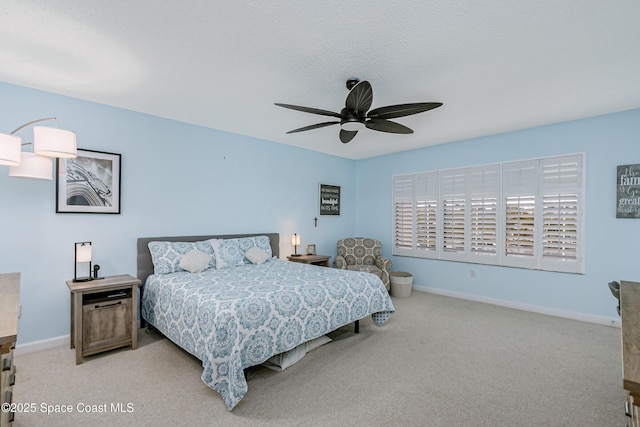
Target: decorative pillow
256 255
246 243
166 256
227 252
195 261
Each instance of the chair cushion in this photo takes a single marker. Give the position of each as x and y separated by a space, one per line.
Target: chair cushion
359 250
368 268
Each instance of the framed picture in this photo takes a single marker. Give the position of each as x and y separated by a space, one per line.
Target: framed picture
311 249
628 191
329 199
90 183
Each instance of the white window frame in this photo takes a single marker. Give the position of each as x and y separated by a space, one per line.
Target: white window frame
549 191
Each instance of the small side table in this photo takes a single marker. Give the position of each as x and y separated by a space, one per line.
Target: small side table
104 314
321 260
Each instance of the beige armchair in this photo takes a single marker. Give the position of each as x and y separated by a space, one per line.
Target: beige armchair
363 254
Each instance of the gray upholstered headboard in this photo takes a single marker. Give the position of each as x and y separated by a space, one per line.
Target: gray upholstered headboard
145 265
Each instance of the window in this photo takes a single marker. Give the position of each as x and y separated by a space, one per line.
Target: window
426 211
526 214
562 205
403 215
452 192
520 197
484 190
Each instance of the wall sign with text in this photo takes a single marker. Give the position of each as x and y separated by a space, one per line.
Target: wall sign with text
329 199
628 192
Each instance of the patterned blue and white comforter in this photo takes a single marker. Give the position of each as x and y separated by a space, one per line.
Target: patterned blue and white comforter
237 317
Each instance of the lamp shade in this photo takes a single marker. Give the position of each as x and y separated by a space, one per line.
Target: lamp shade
295 239
54 142
10 148
83 252
33 166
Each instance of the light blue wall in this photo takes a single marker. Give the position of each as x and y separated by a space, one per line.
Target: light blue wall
612 244
177 179
180 179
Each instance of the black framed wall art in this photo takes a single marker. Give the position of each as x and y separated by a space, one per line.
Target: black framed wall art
89 183
329 199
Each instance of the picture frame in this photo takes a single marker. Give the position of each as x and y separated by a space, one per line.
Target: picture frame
329 199
628 191
311 249
89 183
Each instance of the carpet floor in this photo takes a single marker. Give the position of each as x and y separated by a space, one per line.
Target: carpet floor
438 361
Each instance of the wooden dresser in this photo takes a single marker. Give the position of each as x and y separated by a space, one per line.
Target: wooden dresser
630 318
9 312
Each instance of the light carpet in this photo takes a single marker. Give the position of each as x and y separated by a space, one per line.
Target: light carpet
438 361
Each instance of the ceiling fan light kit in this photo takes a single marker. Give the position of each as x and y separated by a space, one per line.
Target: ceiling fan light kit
352 125
356 115
351 122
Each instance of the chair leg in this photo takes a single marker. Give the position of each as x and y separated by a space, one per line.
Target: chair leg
356 327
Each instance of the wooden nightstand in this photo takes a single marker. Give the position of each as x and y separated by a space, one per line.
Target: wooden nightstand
321 260
104 314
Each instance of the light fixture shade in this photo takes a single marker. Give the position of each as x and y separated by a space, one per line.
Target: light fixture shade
54 142
10 148
295 239
83 252
352 125
33 166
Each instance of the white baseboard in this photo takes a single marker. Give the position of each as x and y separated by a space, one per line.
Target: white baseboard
601 320
30 347
41 345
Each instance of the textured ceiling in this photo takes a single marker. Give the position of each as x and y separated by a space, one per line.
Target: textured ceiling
497 65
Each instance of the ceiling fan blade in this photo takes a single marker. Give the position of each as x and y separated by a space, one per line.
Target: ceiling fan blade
347 135
387 126
311 127
401 110
309 110
360 98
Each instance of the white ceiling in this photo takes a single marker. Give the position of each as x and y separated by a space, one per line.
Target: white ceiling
497 65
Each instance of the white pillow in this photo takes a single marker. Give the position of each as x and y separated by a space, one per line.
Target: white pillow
256 255
195 261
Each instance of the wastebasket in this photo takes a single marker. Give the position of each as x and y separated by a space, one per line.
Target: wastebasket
401 283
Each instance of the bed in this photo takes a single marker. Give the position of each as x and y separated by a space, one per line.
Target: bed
240 311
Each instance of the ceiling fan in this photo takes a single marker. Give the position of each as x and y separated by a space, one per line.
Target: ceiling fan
354 115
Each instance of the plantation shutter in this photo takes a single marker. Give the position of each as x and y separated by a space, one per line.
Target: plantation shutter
527 214
562 192
426 196
453 193
403 215
483 222
520 187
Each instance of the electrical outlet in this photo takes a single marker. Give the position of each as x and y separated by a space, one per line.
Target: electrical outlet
472 273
